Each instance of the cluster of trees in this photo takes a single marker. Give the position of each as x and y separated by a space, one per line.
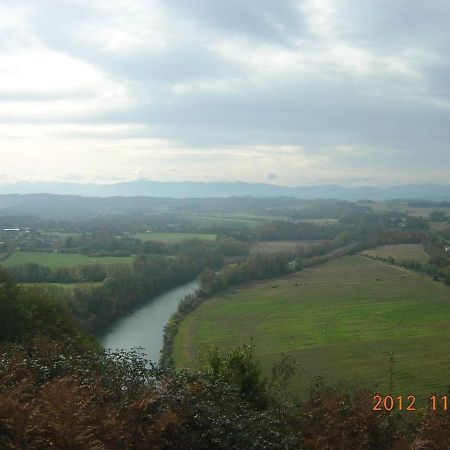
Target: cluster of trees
105 245
438 216
280 230
35 273
417 266
397 228
320 209
99 242
439 257
396 236
256 267
439 264
445 233
442 274
366 226
426 203
28 312
102 243
437 267
93 222
227 246
125 287
375 228
96 272
35 241
110 242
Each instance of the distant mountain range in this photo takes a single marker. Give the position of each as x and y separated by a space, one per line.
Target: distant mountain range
191 189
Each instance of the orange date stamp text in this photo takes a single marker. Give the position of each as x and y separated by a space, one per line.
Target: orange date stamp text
407 403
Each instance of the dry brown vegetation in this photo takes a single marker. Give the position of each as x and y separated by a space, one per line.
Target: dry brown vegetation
55 395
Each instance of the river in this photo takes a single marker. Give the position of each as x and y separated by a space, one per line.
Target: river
144 327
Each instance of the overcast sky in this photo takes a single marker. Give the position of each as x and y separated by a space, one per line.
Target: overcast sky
289 92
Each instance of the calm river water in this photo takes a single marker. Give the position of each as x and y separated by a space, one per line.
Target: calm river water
144 326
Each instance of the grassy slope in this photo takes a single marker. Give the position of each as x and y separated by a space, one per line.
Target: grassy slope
337 321
174 237
401 252
53 260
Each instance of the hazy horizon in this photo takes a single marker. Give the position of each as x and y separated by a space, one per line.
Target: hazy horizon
268 182
291 93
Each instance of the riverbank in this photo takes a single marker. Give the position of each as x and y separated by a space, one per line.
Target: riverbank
144 327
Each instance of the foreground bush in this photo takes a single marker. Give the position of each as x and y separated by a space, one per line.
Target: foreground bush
56 395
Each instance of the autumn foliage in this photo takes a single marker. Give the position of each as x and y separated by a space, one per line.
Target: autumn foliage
58 395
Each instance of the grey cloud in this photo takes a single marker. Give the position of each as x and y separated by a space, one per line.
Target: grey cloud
260 19
289 111
181 63
395 119
393 25
189 58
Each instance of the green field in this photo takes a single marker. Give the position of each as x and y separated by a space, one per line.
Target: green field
280 246
401 252
53 260
174 237
233 220
339 321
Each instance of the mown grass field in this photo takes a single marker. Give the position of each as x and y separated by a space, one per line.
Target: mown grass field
401 252
174 237
279 246
53 260
339 321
